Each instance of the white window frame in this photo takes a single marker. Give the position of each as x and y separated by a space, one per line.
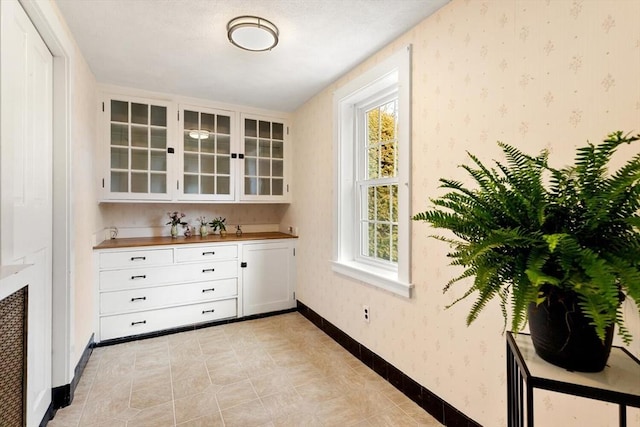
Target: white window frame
362 181
392 74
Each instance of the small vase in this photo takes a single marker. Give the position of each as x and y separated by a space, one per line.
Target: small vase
223 233
204 231
174 231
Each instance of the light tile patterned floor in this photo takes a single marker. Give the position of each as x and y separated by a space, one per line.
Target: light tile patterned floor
277 371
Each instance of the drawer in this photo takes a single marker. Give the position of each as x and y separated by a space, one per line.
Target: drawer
151 276
139 258
123 325
206 253
163 296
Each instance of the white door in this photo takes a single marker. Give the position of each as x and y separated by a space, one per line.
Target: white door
26 185
268 278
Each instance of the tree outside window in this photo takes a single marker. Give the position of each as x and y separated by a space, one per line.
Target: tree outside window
379 219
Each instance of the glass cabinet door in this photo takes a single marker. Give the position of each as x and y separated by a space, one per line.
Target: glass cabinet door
206 154
264 158
138 149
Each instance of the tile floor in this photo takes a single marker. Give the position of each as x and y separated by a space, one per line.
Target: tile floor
276 371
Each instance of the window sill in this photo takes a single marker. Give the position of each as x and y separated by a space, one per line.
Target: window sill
373 276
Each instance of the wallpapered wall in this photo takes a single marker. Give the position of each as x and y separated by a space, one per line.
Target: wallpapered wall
85 215
535 74
131 219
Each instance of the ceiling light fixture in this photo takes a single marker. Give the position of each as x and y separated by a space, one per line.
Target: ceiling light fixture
199 134
252 33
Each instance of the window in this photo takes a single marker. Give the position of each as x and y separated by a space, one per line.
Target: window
372 137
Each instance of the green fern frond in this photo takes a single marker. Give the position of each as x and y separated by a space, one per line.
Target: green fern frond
525 227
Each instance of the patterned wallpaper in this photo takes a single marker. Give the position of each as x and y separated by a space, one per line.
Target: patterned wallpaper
132 219
86 217
535 74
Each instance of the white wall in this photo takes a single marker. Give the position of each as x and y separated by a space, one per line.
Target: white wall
534 74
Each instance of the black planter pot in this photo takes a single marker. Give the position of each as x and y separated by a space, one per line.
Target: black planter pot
562 336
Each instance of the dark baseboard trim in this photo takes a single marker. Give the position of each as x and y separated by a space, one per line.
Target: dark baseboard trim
434 405
48 416
62 396
191 327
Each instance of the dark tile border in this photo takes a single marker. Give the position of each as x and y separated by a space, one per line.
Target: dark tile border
62 396
434 405
48 415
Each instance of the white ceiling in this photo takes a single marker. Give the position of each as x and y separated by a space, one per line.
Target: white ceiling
181 46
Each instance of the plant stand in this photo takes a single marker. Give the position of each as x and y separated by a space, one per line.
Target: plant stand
618 383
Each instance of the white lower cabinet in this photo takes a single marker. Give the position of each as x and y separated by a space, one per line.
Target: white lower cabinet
142 290
166 296
147 289
152 276
268 275
122 325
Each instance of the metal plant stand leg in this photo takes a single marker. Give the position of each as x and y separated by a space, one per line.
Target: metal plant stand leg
619 383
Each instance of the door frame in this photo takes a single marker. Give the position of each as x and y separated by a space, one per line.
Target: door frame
56 37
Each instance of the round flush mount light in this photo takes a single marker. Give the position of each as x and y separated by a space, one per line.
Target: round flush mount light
199 134
252 33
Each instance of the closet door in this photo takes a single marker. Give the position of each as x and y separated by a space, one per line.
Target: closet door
26 185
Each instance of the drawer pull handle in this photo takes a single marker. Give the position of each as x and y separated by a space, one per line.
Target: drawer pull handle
138 258
208 311
138 299
208 270
208 290
142 322
208 253
143 276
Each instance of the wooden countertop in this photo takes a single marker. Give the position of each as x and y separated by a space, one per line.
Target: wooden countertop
167 240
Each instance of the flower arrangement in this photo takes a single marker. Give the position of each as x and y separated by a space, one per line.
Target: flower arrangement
202 220
218 223
176 218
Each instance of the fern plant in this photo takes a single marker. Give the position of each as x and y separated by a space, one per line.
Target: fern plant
528 230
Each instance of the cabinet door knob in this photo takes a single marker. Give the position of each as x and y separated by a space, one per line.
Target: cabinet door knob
208 290
208 253
142 322
208 311
142 276
138 299
208 270
138 258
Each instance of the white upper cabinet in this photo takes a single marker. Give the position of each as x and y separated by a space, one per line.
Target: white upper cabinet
208 156
159 150
139 153
265 156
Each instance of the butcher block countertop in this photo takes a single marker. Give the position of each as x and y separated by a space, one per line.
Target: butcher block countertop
167 240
